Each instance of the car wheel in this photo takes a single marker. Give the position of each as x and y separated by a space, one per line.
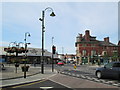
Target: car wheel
99 74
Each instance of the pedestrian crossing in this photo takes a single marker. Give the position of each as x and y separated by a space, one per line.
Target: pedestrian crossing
113 83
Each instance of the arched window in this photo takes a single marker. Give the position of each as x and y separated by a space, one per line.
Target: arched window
84 52
93 52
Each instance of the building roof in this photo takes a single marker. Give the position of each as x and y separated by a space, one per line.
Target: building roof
103 43
31 52
87 38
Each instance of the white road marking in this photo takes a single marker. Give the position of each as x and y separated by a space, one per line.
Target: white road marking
45 88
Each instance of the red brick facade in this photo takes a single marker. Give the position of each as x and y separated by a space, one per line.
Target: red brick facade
87 45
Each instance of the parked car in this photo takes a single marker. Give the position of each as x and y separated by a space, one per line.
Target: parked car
60 63
110 70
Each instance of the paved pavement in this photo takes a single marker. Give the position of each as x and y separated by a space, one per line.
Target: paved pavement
10 72
10 77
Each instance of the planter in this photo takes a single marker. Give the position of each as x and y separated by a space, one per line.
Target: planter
19 51
25 68
16 64
14 49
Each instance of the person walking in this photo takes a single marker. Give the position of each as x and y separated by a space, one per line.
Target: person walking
75 66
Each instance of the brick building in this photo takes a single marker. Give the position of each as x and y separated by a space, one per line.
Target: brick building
87 47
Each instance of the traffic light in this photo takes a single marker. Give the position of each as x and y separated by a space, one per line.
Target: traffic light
53 49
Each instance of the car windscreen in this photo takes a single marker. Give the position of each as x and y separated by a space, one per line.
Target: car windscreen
60 62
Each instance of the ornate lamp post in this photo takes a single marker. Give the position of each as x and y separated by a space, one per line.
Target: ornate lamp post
26 34
43 27
52 56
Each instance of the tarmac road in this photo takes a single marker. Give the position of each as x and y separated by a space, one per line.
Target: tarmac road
86 72
41 84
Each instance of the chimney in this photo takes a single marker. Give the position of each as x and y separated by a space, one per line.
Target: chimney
87 32
87 35
80 35
106 39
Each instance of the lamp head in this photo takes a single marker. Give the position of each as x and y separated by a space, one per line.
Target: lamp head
29 35
28 43
52 14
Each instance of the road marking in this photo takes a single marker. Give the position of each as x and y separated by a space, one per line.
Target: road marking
115 84
46 88
60 83
110 81
94 79
51 76
68 73
73 74
28 84
102 80
77 75
83 76
89 78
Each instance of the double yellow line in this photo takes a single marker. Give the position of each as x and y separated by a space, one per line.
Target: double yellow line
29 84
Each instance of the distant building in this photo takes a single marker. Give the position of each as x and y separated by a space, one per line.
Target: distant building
87 47
70 57
67 57
33 54
61 57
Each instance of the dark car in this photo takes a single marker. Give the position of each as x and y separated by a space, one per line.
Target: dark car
111 69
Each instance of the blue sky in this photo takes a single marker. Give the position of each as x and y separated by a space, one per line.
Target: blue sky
101 18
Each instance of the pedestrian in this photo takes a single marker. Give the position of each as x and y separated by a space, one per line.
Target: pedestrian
35 62
75 66
99 63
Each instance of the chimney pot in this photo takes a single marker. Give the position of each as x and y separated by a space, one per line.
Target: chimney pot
87 35
80 35
106 39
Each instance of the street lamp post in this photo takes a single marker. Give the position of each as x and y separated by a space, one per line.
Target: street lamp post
43 27
27 33
52 56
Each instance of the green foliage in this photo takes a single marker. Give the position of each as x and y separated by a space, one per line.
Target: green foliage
115 56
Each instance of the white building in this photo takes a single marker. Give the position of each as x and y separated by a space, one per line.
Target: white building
32 54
